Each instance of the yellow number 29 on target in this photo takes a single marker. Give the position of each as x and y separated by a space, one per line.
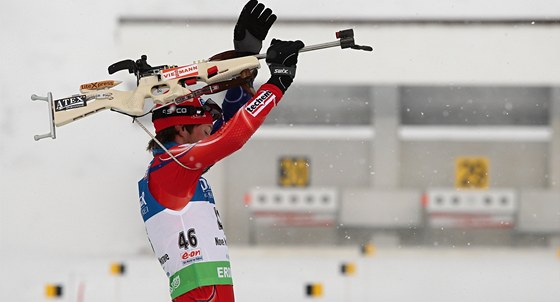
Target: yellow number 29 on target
471 172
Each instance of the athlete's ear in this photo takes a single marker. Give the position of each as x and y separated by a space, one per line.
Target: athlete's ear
181 131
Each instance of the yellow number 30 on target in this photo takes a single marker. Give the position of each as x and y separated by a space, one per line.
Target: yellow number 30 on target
294 172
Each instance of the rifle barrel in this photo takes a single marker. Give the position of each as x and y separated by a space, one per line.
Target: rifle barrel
309 48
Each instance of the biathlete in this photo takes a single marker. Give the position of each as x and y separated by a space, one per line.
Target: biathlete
177 204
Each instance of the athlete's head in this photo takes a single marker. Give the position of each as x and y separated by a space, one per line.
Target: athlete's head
184 123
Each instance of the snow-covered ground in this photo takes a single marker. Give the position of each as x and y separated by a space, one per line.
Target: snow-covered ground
281 274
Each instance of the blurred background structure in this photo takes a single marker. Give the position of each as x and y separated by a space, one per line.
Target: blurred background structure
447 136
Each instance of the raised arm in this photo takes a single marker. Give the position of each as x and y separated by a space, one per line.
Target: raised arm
253 24
282 60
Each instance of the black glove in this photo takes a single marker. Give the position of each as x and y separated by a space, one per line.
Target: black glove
251 28
281 58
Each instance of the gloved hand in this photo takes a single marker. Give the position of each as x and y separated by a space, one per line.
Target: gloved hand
281 58
251 28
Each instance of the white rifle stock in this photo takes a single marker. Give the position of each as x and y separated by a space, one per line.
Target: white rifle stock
132 102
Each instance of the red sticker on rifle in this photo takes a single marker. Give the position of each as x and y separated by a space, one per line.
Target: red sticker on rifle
180 72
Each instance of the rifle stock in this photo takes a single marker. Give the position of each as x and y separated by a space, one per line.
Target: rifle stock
132 102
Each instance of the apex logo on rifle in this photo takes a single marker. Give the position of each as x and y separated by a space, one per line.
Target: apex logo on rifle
72 102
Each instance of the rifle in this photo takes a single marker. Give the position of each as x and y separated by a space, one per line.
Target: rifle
165 85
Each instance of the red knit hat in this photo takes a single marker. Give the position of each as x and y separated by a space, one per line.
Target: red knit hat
194 113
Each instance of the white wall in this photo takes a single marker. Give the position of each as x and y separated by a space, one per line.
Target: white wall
358 9
405 54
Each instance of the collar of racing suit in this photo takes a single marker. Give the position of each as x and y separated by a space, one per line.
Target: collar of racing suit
168 145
